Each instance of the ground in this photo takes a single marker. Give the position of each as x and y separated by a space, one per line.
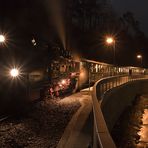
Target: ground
42 127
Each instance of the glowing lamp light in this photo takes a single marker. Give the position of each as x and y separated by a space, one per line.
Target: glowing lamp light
139 56
63 82
33 42
60 85
2 39
14 72
109 40
73 74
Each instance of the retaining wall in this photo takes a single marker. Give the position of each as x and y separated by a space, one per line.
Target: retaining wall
117 99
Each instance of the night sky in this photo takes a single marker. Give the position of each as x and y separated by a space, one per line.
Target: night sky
27 19
138 7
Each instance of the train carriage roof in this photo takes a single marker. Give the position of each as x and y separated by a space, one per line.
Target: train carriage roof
132 67
96 62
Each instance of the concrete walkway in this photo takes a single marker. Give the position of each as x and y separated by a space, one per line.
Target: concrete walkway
78 132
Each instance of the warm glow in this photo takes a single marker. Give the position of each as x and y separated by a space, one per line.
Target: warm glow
33 42
109 40
83 76
143 133
60 85
2 38
63 82
14 72
139 56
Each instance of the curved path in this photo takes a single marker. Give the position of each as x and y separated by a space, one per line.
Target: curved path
78 131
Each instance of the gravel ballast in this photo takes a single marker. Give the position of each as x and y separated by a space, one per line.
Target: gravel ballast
41 127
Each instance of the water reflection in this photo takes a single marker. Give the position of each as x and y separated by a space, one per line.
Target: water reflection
143 133
133 125
145 117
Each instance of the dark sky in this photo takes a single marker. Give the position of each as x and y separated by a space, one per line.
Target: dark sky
138 7
27 19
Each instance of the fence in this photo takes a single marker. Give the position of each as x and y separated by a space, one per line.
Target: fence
101 135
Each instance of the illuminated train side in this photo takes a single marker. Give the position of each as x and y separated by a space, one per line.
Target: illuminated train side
61 76
69 75
97 70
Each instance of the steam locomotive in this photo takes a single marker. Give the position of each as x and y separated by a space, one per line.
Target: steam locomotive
67 75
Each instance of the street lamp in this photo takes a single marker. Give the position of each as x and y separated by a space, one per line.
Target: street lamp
111 41
139 56
14 72
2 38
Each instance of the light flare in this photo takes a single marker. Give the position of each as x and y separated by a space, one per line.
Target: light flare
109 40
2 38
14 72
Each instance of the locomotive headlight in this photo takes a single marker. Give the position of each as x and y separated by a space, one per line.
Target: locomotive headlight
63 82
14 72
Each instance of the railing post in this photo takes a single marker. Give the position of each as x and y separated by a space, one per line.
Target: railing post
117 81
109 84
114 82
105 87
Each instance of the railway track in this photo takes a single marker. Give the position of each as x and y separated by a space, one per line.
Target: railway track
3 118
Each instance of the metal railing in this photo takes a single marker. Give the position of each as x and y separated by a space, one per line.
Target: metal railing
101 135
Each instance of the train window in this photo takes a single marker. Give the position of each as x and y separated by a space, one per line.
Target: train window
100 68
81 64
57 68
77 66
62 68
96 67
108 69
92 67
70 68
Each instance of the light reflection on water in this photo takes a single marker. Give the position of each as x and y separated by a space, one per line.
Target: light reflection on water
145 117
143 133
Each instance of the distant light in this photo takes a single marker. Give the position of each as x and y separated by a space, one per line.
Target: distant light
34 42
60 85
2 39
109 40
73 74
82 74
14 72
63 82
139 56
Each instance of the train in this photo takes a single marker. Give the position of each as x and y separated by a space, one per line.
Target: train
68 76
59 76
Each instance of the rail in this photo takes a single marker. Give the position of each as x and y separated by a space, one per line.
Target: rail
101 135
3 118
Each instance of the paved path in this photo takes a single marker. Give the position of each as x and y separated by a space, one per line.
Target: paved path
77 134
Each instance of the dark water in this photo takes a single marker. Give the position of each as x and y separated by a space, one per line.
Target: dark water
131 130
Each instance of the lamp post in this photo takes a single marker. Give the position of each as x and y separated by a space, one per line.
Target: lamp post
139 56
111 41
